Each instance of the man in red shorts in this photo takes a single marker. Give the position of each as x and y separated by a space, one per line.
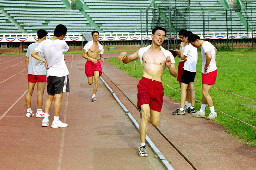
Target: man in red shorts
36 74
93 66
154 59
209 74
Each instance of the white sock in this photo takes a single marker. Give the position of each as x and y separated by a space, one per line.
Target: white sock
203 107
142 144
39 110
29 110
212 109
181 109
191 107
46 116
56 118
186 103
93 95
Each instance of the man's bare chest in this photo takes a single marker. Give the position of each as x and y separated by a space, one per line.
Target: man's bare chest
156 58
94 49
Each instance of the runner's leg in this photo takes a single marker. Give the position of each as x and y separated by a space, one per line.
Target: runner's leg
145 110
40 93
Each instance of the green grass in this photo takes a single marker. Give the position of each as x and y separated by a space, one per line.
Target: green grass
236 74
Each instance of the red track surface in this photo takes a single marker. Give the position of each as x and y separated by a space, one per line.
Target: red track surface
100 136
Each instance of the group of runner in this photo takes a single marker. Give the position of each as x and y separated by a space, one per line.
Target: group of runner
46 63
48 54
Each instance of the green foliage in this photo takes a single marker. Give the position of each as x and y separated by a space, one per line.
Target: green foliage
236 74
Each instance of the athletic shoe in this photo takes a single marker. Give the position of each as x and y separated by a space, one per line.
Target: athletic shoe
58 124
181 112
94 99
45 122
212 115
143 151
199 114
189 110
176 111
29 114
40 114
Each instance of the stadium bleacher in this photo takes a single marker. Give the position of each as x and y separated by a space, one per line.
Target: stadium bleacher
33 15
118 16
114 16
6 26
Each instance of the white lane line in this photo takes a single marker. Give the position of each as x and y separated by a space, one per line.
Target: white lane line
13 105
10 60
11 76
64 129
12 65
152 145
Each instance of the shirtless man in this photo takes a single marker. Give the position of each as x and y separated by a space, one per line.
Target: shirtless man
154 59
93 66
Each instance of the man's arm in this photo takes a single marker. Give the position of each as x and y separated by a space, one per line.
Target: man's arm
126 59
171 67
208 60
36 56
182 56
84 55
101 58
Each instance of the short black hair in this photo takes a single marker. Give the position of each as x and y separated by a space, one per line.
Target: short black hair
181 32
60 30
41 33
187 33
193 38
95 32
158 28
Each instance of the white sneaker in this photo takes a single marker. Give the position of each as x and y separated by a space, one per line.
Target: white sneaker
29 114
93 99
41 114
199 114
58 124
212 115
45 122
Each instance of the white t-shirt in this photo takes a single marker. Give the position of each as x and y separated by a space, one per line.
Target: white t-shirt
166 53
205 48
53 52
35 67
192 55
89 44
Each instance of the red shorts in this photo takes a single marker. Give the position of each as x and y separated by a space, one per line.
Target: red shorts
90 67
36 78
150 92
180 70
209 78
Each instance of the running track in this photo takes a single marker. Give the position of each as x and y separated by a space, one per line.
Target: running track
100 135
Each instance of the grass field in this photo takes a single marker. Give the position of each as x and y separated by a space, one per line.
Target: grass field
236 74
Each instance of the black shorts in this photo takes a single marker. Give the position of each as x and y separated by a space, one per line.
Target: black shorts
57 85
188 77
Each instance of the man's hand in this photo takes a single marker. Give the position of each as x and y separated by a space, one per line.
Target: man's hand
95 61
168 61
181 45
205 69
122 56
46 65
